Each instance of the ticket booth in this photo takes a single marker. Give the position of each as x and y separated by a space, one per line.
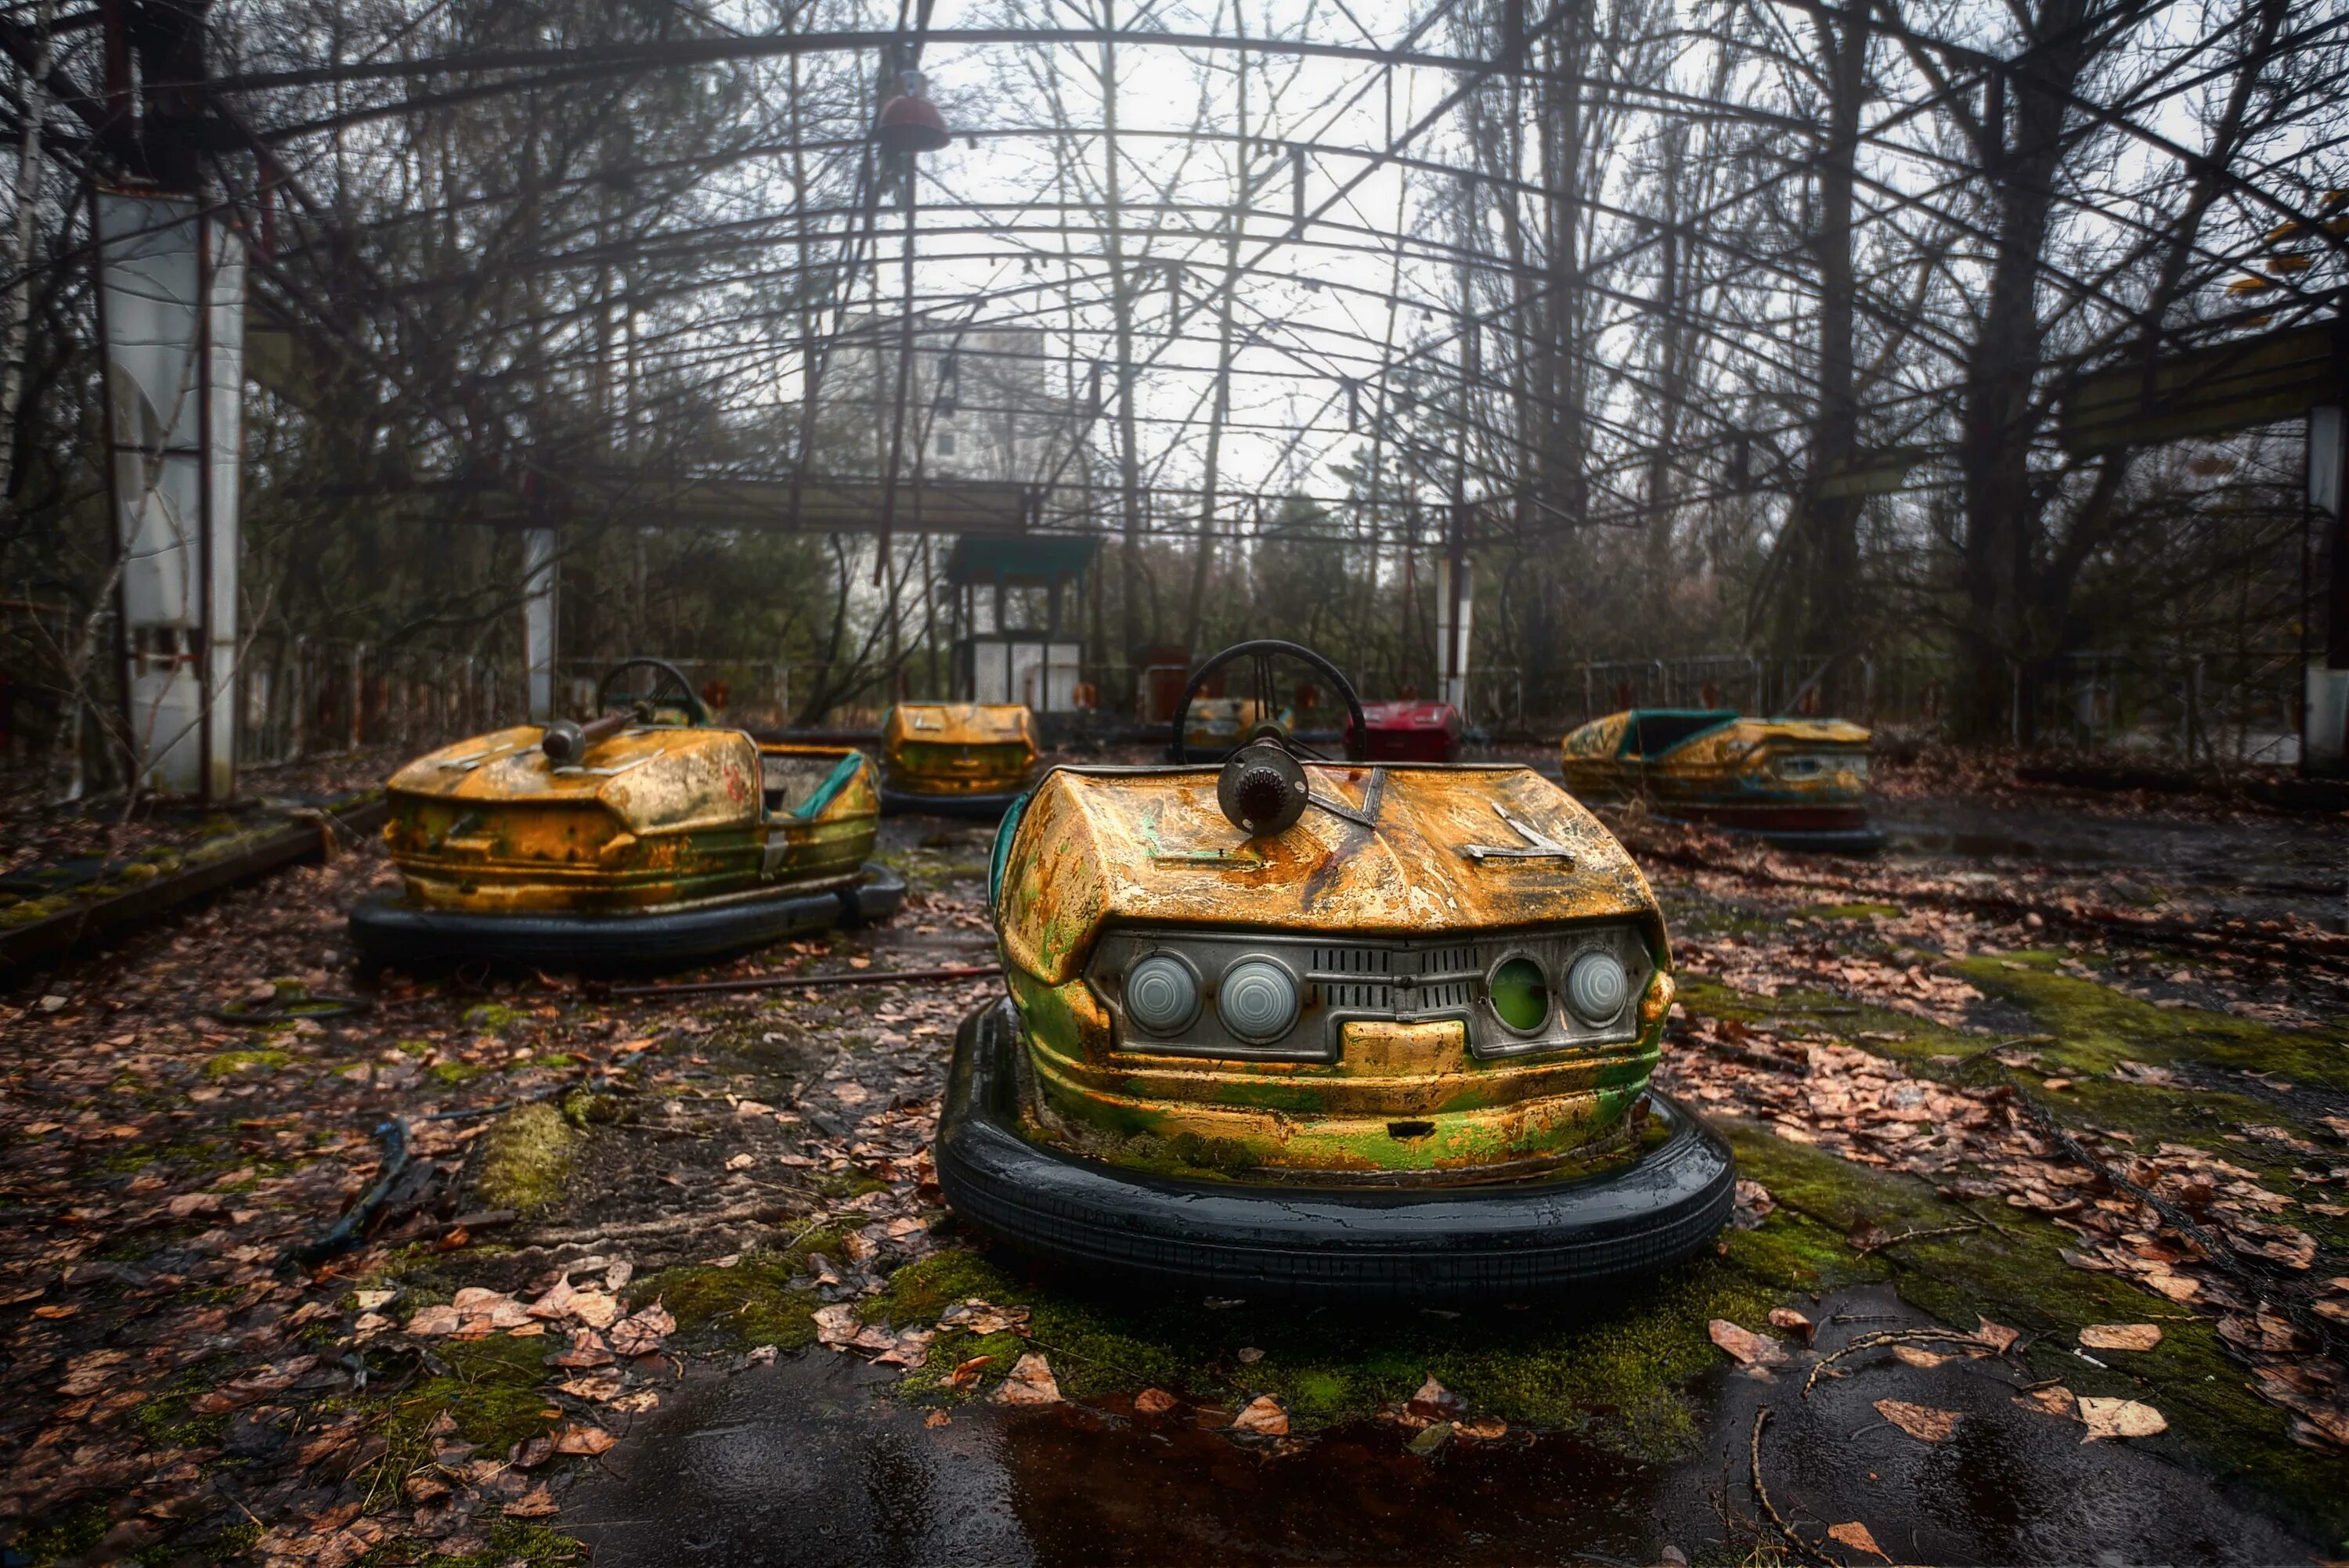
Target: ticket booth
1012 597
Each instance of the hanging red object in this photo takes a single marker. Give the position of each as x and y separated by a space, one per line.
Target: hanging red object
911 124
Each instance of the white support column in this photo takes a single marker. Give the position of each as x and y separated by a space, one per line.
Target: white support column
1454 612
538 612
172 309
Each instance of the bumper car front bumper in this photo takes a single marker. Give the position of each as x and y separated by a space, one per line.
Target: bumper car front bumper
387 931
1495 1241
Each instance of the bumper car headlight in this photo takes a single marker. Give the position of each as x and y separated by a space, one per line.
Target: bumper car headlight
1161 994
1519 993
1257 1000
1597 987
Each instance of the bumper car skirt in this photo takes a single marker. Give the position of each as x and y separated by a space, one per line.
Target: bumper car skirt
1502 1242
986 807
389 932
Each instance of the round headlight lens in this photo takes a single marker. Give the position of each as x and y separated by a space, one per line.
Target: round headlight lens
1162 995
1520 994
1257 999
1597 987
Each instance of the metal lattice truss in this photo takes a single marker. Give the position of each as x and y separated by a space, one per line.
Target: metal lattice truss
1507 267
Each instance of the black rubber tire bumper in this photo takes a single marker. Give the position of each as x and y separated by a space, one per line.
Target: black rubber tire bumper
1498 1243
389 932
975 808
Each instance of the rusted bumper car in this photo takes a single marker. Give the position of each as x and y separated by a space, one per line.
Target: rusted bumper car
955 759
645 838
1801 783
1289 1026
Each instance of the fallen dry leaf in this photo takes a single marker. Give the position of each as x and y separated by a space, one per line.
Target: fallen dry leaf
2120 1336
536 1503
1996 1335
1794 1322
433 1322
978 1317
1921 1422
1264 1416
1855 1536
1749 1348
2054 1400
1481 1428
1917 1356
580 1437
1433 1402
1153 1402
586 1350
836 1325
1029 1382
2119 1418
253 1385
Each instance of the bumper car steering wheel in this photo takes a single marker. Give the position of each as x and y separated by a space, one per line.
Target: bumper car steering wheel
650 689
1260 655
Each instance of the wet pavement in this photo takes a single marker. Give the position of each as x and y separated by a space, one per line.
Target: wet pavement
810 1461
2254 864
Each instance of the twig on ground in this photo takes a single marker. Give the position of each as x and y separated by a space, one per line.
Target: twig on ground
1762 1495
1890 1337
1877 1246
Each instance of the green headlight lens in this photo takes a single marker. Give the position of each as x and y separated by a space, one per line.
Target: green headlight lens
1520 994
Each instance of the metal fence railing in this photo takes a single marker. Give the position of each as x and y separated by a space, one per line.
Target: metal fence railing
303 697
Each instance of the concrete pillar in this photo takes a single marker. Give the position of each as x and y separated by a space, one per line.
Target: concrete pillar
538 611
171 318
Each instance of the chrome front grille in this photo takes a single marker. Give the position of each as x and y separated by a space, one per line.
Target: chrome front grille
1400 981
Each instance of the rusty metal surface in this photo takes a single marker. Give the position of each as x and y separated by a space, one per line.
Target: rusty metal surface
1402 1099
1726 770
650 818
1103 850
957 748
1097 845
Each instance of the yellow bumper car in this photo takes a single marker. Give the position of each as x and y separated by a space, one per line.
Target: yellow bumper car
645 837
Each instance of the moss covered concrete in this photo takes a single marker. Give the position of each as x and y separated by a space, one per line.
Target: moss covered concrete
2096 1025
749 1305
526 1157
1617 1371
2013 1275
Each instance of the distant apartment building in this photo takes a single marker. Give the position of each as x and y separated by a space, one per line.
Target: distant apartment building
984 403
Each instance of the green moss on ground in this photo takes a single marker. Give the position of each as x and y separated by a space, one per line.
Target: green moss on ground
2077 1036
526 1158
2096 1027
229 1062
1620 1372
492 1393
749 1305
1849 912
492 1018
2014 1274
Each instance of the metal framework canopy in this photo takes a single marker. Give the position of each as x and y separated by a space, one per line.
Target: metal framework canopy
1526 264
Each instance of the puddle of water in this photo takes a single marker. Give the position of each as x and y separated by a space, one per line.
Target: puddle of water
809 1462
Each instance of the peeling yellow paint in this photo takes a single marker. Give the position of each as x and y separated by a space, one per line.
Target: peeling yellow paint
1106 848
951 748
1796 773
648 818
